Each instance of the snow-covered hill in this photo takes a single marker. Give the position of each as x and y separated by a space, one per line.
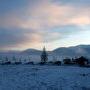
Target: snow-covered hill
27 77
31 52
75 51
59 53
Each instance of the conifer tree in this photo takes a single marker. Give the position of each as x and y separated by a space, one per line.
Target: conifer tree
44 56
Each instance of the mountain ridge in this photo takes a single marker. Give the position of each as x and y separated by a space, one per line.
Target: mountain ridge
72 51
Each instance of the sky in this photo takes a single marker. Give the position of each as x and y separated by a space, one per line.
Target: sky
36 23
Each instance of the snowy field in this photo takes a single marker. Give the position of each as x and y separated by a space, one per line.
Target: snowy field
35 77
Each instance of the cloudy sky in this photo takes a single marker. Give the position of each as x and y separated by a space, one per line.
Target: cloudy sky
37 23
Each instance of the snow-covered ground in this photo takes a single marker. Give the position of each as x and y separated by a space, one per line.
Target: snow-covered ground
35 77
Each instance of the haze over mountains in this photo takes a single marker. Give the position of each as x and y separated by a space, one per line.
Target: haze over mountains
73 51
80 50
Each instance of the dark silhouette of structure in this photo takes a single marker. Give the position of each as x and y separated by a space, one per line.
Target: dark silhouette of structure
57 63
67 61
82 61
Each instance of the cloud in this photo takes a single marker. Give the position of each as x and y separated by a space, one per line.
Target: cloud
47 14
76 3
10 38
35 22
81 20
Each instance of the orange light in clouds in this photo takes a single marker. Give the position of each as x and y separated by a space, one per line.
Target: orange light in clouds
81 20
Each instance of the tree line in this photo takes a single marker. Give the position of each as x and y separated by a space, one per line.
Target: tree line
81 61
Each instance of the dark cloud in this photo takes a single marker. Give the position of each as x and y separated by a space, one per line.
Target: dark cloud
7 6
13 37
